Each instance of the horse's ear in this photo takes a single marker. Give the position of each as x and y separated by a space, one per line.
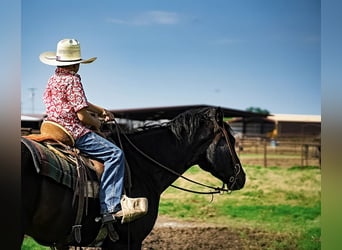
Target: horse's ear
219 116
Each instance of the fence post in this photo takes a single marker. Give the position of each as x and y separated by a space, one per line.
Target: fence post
302 156
265 152
305 155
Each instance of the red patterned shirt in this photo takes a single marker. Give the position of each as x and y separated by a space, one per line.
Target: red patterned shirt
63 97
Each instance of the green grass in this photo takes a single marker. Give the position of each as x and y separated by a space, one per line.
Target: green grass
273 214
30 244
310 239
274 199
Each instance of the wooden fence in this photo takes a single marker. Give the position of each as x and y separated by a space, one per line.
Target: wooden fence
285 152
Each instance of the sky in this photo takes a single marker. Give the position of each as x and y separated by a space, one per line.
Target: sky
154 53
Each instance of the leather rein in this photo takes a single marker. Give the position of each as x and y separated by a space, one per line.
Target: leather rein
216 190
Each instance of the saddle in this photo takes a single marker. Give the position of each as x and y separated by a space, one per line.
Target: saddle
62 143
52 131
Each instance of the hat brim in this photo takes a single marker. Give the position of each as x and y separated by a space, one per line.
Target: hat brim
50 59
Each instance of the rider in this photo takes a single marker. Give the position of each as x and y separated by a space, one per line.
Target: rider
67 105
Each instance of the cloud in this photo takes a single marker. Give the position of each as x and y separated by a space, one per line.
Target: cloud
161 17
150 18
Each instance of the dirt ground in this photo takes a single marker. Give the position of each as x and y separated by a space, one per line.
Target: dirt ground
173 234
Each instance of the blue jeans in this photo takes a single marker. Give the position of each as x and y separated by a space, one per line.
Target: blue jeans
112 179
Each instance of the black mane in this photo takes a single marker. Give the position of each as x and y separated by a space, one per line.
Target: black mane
182 126
185 124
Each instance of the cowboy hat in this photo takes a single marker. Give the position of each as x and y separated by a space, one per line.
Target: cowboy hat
68 53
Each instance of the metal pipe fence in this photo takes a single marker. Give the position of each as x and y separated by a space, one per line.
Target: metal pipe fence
285 152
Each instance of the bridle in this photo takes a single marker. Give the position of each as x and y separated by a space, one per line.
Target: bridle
237 166
216 190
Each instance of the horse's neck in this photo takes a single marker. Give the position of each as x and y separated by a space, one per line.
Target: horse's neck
158 148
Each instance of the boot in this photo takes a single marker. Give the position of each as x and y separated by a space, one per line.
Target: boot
132 208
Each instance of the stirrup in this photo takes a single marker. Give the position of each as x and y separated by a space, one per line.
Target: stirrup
108 218
108 221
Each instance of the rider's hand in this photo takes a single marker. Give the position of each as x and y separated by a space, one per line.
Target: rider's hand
108 116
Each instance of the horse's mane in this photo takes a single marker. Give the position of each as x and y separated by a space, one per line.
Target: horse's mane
185 124
182 126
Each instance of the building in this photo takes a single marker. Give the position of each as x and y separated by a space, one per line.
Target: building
303 126
30 123
278 126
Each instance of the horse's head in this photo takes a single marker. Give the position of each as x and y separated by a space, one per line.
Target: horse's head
212 138
220 157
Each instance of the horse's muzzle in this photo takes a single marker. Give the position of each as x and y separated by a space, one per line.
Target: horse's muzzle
237 182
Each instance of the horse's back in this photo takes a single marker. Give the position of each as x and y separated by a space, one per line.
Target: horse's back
42 200
48 206
30 187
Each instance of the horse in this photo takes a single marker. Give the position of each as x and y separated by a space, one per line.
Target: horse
156 155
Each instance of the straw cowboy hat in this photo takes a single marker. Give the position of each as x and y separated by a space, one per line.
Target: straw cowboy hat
68 53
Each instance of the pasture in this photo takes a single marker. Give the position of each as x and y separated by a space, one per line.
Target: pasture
279 208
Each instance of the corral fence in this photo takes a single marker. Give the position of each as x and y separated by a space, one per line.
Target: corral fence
285 151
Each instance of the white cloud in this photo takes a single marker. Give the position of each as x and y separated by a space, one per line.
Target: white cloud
161 17
150 18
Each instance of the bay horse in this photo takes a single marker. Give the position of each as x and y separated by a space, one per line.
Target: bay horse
156 155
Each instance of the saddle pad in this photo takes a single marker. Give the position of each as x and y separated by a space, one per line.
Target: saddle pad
49 164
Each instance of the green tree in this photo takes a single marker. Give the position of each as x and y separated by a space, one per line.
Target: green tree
258 110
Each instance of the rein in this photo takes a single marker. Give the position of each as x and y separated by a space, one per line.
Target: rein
217 190
232 179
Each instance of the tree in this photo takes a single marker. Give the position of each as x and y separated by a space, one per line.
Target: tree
258 110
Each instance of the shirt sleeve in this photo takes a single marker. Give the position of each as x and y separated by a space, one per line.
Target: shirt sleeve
76 95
